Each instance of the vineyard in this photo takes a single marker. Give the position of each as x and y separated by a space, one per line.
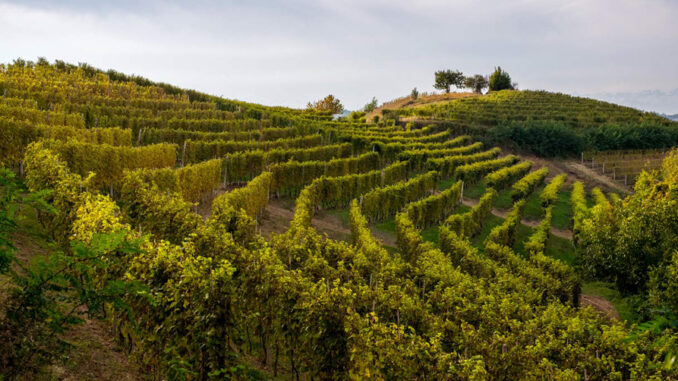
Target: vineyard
624 166
522 106
476 278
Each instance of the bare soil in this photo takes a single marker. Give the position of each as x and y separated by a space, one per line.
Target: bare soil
600 304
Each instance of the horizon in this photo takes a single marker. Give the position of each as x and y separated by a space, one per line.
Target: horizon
287 54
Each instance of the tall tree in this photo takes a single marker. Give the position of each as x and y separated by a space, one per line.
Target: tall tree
500 80
477 83
444 79
329 103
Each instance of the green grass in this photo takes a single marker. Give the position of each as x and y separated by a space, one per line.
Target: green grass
430 234
523 232
386 226
503 200
533 208
562 249
474 190
442 185
341 214
460 209
608 291
562 211
490 222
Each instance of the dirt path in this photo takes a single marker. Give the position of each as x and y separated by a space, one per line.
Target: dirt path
601 305
94 354
590 174
277 217
567 234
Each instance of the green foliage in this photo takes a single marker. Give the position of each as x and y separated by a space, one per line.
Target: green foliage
383 203
627 242
580 210
414 94
329 103
110 162
444 79
53 291
500 80
546 139
537 241
371 105
253 197
218 300
202 150
476 83
504 234
446 165
433 209
503 177
164 214
245 165
528 183
549 195
290 177
473 172
469 224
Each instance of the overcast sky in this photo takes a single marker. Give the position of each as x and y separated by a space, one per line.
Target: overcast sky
289 52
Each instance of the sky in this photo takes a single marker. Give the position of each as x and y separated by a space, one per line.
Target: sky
294 51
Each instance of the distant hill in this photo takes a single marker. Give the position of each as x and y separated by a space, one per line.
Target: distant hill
673 117
507 106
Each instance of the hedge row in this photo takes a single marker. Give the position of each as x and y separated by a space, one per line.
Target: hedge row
289 178
447 165
473 172
469 224
526 185
383 203
504 234
433 209
252 198
505 176
243 166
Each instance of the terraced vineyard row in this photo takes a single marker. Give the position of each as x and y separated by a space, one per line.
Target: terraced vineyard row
219 298
624 166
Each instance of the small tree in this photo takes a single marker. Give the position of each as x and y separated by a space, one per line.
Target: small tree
414 94
447 78
500 80
329 103
371 106
477 83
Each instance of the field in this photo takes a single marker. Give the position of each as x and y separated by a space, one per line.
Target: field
274 243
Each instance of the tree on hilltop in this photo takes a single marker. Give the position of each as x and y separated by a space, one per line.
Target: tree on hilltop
500 80
329 103
477 83
444 79
371 105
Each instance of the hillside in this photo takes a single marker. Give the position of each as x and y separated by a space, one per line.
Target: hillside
222 239
526 105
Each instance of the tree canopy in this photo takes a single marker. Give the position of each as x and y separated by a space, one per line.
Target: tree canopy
477 83
444 79
500 80
329 103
